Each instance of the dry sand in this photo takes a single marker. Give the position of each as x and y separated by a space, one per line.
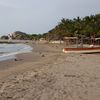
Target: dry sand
49 74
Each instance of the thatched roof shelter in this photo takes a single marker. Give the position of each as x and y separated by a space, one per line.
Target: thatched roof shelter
70 40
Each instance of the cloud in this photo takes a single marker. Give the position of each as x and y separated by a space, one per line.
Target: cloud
39 16
13 3
7 3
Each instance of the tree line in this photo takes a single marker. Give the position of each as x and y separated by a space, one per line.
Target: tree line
88 26
77 27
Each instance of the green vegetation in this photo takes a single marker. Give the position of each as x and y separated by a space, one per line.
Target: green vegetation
88 26
18 35
4 37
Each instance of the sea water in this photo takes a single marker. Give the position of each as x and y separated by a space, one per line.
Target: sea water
8 51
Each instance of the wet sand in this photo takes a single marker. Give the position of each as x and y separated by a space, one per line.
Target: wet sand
49 74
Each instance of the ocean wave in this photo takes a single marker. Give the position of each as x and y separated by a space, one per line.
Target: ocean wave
10 50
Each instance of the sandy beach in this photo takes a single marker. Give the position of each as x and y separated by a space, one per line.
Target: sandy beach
49 74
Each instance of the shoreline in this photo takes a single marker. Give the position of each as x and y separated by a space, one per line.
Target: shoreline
23 58
13 50
49 74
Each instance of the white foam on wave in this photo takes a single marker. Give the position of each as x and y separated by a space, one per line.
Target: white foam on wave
15 49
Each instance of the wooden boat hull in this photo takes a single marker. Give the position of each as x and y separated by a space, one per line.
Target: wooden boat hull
82 50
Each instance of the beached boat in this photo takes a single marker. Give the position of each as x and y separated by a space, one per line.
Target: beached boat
82 50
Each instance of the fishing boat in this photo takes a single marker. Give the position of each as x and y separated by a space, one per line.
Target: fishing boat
82 50
82 45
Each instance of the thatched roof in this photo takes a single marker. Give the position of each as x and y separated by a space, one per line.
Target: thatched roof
70 38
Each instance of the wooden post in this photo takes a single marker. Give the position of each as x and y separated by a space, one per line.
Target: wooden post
81 41
77 42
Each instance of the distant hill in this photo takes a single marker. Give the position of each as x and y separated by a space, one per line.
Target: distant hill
19 35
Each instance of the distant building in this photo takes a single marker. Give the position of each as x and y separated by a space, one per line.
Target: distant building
10 36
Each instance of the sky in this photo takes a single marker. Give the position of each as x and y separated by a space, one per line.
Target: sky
40 16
